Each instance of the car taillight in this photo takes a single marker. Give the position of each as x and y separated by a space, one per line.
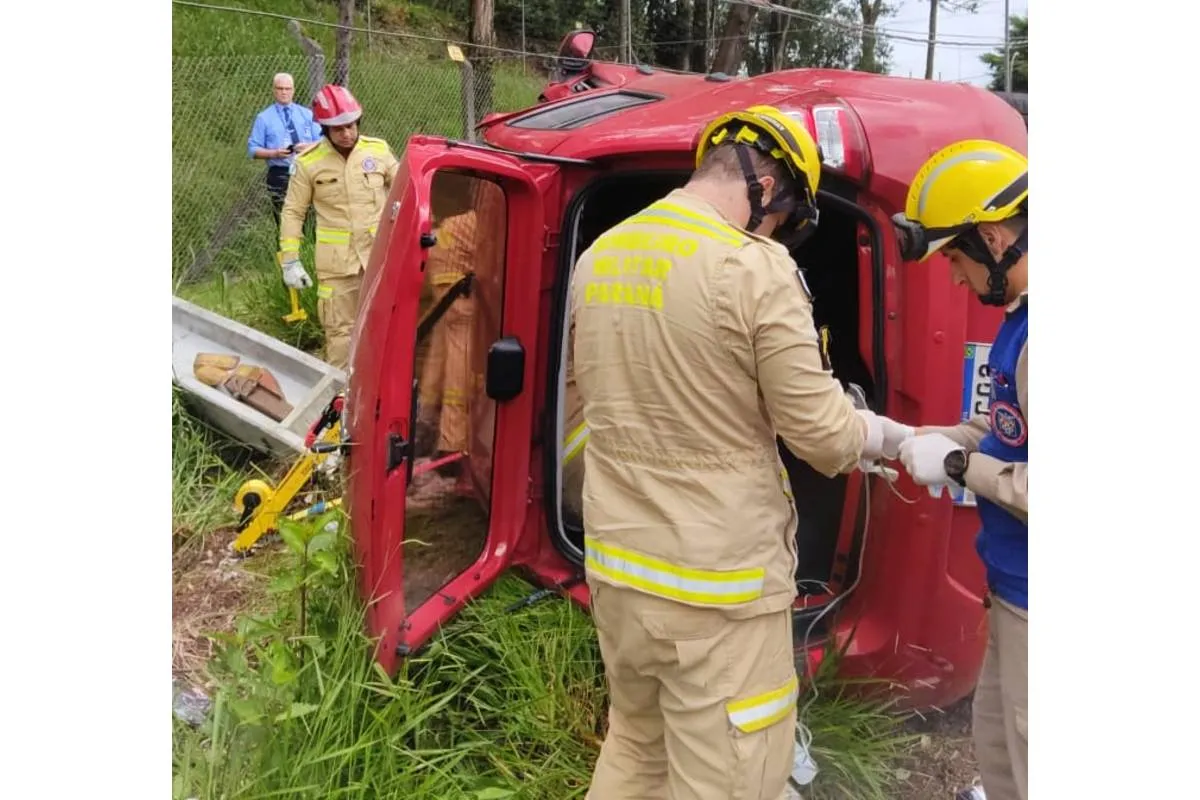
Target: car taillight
840 137
843 146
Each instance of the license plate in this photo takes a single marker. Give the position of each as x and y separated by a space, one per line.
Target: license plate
977 390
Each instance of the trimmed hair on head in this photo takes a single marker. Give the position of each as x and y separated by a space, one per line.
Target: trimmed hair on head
722 161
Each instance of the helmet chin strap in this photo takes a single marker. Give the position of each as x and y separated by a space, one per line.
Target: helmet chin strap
971 245
793 230
754 189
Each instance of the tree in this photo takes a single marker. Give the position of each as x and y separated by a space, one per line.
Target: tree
698 54
826 37
1018 37
669 21
482 37
969 6
820 33
871 11
737 28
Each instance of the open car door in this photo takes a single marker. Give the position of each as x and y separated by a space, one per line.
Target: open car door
438 409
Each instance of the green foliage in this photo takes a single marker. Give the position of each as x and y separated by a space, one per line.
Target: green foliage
857 738
1018 34
206 470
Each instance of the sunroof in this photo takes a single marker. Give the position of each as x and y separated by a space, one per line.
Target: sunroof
581 112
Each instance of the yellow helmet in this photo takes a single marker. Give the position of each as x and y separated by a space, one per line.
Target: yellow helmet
770 131
960 186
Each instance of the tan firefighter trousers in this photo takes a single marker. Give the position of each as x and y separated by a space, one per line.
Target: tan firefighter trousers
446 375
1000 723
337 306
702 707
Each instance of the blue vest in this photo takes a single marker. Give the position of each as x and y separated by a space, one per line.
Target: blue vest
1003 544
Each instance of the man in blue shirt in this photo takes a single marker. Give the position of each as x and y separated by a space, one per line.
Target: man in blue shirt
282 131
970 201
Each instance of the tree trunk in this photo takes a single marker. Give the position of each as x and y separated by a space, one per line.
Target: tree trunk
696 59
626 56
870 15
933 9
341 56
779 41
733 38
483 38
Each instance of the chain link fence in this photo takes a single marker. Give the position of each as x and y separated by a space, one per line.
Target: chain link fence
221 215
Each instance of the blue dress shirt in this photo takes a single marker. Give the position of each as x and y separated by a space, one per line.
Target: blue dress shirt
271 130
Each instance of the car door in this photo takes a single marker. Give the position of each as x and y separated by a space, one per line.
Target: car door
439 406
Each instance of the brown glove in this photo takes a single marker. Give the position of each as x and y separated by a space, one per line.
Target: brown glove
258 388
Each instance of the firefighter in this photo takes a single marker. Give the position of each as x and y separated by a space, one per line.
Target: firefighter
445 385
345 178
694 348
970 202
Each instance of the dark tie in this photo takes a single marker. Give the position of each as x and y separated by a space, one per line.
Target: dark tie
287 119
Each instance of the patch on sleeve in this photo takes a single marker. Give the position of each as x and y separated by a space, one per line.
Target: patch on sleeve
1008 424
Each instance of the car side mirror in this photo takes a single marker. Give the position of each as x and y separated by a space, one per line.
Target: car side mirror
505 369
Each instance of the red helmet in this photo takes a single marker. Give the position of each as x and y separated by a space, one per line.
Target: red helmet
334 105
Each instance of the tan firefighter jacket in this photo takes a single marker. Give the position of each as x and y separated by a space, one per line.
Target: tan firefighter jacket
695 346
347 194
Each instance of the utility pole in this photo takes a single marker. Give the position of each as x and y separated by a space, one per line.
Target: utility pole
626 34
1008 70
933 8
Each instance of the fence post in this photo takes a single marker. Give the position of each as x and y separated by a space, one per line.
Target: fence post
316 59
468 91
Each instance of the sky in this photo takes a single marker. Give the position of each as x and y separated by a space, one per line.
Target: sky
953 63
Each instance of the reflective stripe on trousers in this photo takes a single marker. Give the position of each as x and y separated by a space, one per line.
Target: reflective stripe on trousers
761 711
575 442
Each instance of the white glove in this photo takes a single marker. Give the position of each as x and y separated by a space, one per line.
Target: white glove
884 436
294 275
924 458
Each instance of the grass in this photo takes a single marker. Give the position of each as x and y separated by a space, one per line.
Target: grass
207 469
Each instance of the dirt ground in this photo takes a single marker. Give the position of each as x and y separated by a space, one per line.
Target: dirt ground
445 532
944 759
210 588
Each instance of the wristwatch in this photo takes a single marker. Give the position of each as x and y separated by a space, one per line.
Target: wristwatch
955 465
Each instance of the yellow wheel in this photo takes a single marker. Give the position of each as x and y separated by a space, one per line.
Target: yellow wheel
250 496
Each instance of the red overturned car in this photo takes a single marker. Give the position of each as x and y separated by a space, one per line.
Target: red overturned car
435 527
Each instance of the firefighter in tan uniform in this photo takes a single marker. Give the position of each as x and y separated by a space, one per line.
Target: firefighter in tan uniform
345 178
694 348
445 385
970 201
